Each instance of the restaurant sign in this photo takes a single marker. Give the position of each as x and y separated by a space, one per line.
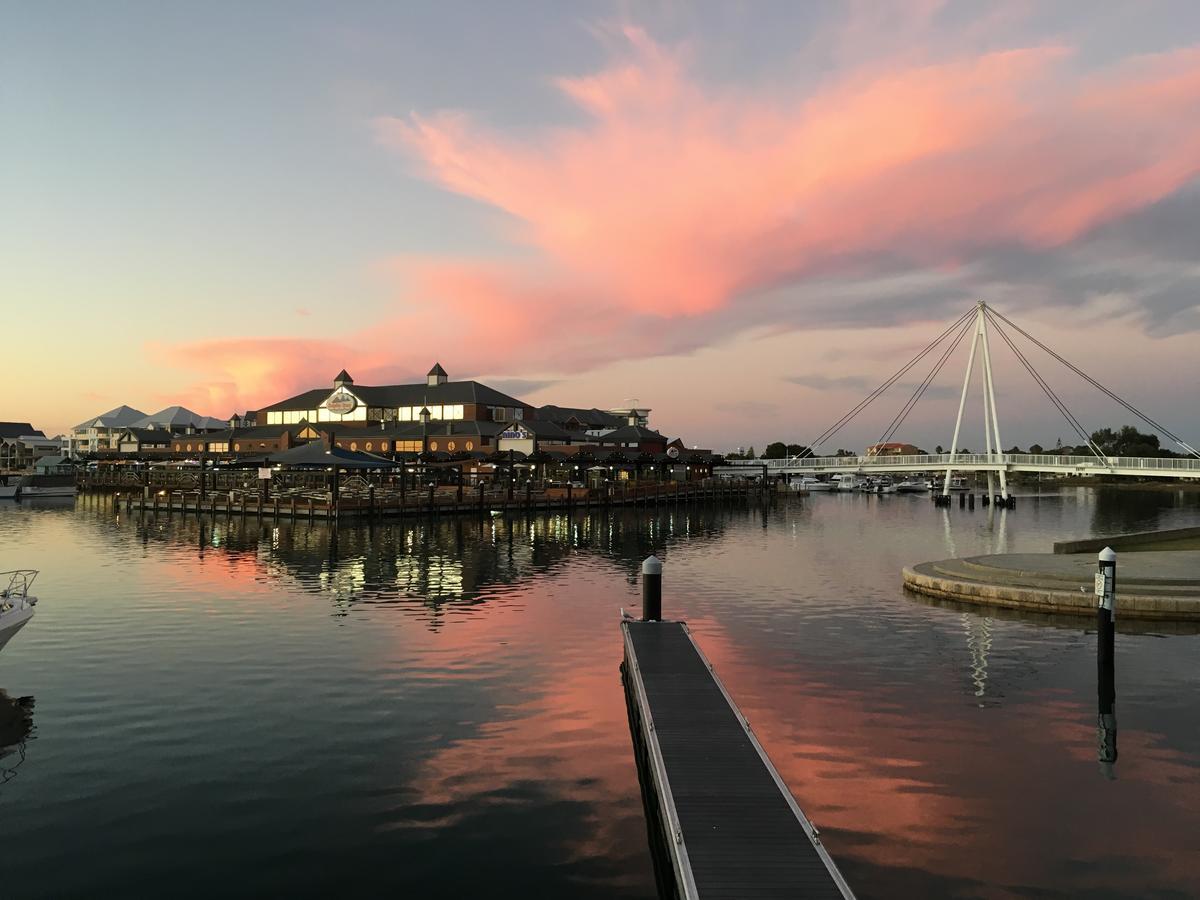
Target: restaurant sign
342 402
514 434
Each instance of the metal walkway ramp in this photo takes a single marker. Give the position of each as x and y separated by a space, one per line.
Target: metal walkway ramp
727 825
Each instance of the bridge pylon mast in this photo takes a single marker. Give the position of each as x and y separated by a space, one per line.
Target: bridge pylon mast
991 423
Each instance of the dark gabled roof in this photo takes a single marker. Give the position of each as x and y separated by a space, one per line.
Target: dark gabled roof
438 370
343 376
258 432
544 429
629 434
591 417
308 400
396 395
18 429
149 435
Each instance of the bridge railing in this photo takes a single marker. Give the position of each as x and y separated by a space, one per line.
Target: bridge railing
971 460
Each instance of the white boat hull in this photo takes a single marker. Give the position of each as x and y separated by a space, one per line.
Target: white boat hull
812 485
13 621
33 491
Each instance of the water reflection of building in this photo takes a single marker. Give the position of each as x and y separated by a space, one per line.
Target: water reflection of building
16 724
432 561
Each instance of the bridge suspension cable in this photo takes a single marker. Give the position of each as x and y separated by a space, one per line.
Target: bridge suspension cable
895 424
1074 422
1096 384
982 313
879 391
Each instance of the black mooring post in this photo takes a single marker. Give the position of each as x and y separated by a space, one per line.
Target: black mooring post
1106 616
651 589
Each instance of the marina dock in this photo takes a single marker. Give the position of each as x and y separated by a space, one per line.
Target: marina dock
370 503
722 822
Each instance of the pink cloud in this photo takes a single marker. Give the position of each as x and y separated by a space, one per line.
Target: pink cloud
673 201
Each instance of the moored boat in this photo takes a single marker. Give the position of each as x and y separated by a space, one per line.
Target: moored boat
912 486
33 486
885 485
16 605
812 485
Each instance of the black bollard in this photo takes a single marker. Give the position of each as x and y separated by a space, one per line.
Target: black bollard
1106 615
983 499
962 500
971 501
651 589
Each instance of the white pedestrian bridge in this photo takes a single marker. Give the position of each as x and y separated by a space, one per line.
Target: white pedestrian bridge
1124 466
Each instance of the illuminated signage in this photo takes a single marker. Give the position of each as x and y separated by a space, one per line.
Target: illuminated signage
341 402
513 434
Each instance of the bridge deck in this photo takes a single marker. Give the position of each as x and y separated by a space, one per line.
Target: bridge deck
1049 463
729 825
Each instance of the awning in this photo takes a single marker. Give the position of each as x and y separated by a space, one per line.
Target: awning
315 455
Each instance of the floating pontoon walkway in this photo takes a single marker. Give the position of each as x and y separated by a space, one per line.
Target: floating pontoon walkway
723 823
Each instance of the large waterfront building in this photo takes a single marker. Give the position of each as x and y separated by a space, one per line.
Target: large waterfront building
356 405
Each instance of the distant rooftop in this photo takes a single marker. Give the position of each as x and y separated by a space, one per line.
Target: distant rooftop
119 417
178 417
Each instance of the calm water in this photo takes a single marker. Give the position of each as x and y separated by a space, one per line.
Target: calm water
243 709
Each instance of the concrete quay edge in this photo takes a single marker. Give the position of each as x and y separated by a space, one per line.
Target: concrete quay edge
1046 600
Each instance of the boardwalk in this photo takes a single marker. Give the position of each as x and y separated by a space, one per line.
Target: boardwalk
445 501
723 822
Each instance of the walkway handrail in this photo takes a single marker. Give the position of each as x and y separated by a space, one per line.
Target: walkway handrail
968 460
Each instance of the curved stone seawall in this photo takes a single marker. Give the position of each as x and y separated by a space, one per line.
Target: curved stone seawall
1152 585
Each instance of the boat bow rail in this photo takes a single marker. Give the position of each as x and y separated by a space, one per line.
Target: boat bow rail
17 589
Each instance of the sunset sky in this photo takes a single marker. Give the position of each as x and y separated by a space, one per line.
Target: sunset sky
743 214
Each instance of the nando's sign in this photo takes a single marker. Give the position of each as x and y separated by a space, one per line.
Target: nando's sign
342 402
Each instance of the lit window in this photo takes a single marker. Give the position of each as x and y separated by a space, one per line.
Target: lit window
189 448
368 447
237 448
404 414
354 445
433 445
450 445
435 412
469 445
383 445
